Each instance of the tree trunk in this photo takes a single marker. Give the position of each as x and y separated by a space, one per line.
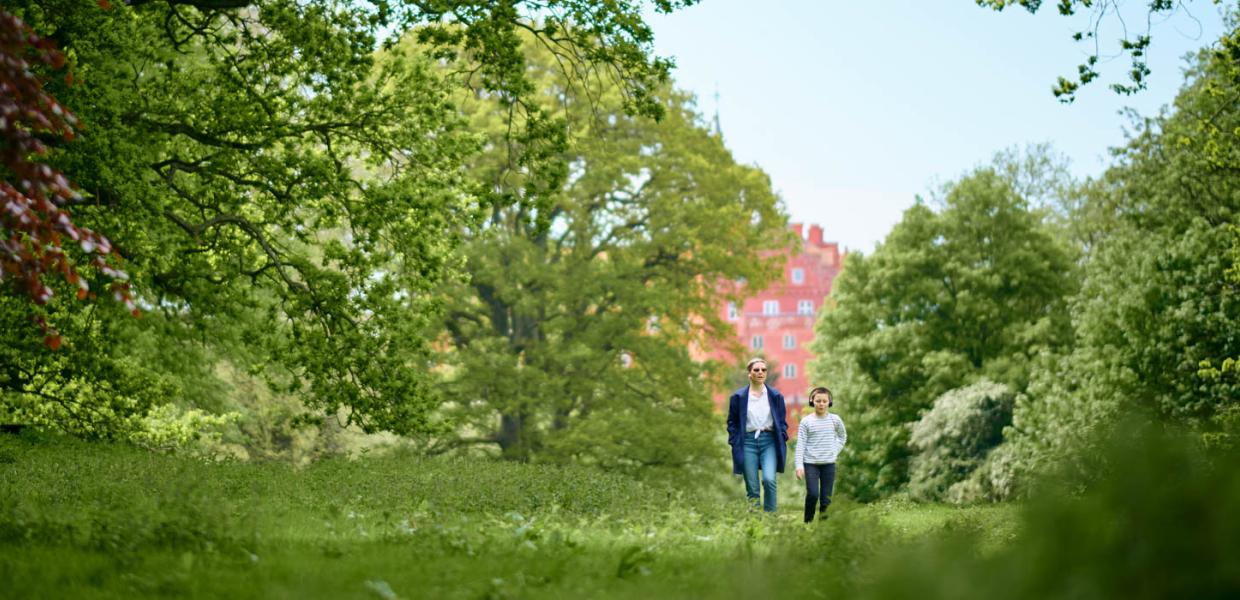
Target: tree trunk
512 443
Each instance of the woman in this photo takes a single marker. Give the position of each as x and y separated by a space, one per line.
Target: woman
758 434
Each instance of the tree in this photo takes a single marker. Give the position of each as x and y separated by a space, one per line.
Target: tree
1229 366
34 219
1157 303
973 291
574 340
256 167
1135 46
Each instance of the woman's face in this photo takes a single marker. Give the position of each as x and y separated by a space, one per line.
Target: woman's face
820 401
757 373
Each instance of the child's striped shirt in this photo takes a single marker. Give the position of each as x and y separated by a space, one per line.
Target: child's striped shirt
820 439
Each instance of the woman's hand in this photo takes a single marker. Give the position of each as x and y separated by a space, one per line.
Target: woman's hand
800 473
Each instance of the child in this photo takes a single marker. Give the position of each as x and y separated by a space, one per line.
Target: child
820 438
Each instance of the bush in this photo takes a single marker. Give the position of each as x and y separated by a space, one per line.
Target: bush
953 438
1160 518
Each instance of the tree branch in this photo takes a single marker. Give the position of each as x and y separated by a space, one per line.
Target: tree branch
199 4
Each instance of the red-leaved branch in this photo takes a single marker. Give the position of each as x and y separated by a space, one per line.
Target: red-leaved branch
35 225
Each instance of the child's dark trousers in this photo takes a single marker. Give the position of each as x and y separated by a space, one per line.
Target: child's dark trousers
819 483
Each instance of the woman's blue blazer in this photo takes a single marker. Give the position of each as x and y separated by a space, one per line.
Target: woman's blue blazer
738 410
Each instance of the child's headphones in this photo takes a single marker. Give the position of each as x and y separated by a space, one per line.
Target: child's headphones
822 389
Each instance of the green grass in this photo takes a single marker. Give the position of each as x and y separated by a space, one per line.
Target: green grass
82 519
995 525
94 520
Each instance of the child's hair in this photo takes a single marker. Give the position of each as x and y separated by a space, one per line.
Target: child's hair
822 389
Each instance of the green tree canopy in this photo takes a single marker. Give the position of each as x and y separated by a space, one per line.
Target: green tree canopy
1157 303
268 183
972 291
575 340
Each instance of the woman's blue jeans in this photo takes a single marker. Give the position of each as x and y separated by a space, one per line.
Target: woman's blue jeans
760 454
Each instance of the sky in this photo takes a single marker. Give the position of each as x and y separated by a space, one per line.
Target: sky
854 107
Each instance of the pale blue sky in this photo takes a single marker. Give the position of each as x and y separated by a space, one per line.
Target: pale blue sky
855 106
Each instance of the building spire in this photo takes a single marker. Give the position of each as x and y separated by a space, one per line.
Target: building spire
718 127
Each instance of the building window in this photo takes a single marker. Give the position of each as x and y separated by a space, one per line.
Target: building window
790 371
798 276
757 342
790 341
770 307
805 307
733 314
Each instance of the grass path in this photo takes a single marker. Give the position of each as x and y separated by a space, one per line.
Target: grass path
96 520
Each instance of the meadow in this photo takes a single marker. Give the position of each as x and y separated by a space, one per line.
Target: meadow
90 519
97 520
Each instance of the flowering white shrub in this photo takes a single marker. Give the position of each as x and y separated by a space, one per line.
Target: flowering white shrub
954 437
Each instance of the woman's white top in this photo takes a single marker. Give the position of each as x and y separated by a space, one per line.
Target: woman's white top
820 439
759 414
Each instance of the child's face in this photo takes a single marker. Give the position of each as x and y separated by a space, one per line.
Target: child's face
820 401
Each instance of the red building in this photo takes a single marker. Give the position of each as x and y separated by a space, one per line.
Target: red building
778 323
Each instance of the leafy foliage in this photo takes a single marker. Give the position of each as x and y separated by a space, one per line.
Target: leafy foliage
572 339
1160 520
1229 367
278 195
230 158
1156 303
954 437
1135 46
34 219
972 292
